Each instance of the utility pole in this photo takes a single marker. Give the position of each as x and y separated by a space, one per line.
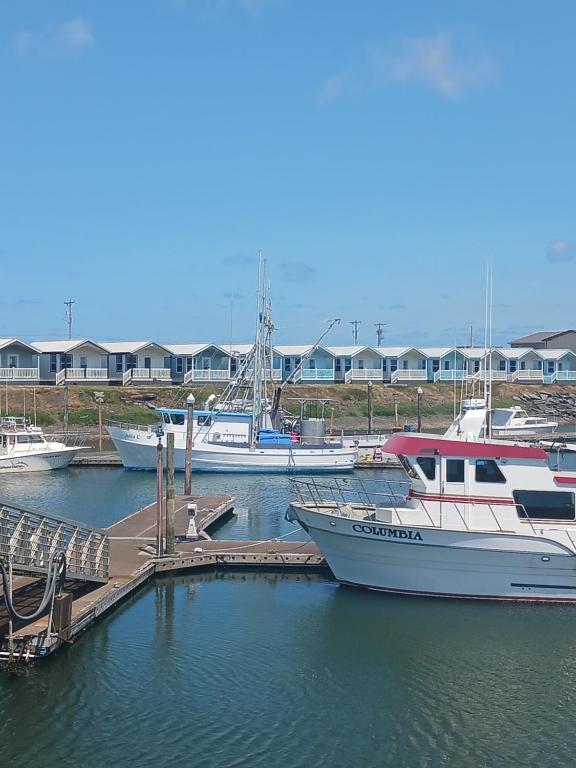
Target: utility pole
370 408
99 397
68 304
379 333
355 323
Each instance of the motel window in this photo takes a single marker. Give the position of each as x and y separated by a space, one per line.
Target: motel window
487 471
287 365
476 366
118 363
338 365
550 366
539 365
66 361
179 365
189 364
233 366
428 465
148 363
502 365
405 364
454 470
312 364
384 365
347 363
393 365
544 505
167 362
435 366
83 361
446 365
131 361
361 365
297 361
523 365
513 364
12 361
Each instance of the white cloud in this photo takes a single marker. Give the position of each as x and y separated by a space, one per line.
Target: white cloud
67 39
334 87
438 63
561 250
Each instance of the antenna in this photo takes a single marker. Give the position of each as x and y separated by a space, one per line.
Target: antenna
68 305
380 332
355 323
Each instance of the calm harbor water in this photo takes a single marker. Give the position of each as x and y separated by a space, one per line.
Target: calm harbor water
233 670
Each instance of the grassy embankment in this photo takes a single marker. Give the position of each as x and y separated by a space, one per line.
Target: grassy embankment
349 402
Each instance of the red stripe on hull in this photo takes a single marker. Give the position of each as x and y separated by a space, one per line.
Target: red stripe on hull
565 480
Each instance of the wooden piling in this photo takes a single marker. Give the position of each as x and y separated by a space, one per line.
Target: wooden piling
170 493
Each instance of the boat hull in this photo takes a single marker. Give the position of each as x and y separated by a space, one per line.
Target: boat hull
441 563
57 459
140 454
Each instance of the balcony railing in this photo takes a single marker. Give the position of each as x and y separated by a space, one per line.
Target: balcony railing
209 374
408 374
528 375
19 374
81 374
363 374
493 375
565 375
146 374
317 374
450 375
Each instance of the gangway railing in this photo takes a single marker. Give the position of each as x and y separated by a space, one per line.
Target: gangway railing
30 540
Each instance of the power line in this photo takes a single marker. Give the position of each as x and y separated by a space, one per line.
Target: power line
355 323
380 332
68 305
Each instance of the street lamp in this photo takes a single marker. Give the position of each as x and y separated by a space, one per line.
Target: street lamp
419 393
99 397
190 400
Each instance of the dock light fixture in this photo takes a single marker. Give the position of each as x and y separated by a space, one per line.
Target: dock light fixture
419 393
190 400
99 397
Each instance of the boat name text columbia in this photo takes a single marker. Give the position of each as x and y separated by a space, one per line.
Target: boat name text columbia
377 530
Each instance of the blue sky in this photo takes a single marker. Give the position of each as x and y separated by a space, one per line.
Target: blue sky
379 153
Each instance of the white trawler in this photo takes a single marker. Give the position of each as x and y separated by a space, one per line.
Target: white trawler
480 519
24 448
244 431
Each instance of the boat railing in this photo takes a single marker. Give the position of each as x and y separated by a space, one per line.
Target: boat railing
344 496
129 425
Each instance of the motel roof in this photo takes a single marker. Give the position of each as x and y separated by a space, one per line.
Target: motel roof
9 342
65 346
131 347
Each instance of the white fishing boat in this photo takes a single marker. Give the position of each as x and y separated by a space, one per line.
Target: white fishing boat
507 422
479 519
245 430
24 448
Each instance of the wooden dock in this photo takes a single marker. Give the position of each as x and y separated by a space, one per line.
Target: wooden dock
133 562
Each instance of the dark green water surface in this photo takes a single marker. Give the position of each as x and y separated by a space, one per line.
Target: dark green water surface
222 670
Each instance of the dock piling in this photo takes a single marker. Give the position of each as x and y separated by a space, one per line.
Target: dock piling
159 495
190 400
170 493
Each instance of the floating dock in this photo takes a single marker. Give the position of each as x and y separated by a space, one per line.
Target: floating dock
133 562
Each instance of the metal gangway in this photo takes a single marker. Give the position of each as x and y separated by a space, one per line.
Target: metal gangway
30 541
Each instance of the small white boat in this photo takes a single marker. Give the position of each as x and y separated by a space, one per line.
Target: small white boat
507 422
484 519
25 449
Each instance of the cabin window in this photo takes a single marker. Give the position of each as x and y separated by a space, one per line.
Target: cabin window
408 468
166 417
204 421
12 361
428 466
393 365
177 418
119 366
544 505
179 365
487 471
435 366
502 365
454 470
